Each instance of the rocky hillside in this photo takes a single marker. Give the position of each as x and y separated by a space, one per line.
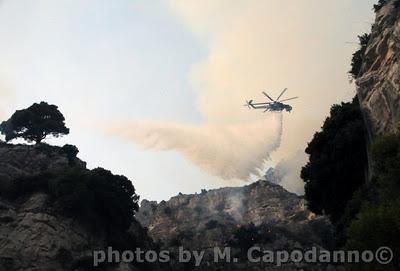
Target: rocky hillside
21 160
34 233
213 217
379 79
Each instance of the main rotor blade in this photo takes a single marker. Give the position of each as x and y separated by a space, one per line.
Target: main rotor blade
288 99
283 91
268 96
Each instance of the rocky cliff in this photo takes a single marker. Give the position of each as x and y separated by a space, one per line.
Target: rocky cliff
379 79
34 234
22 160
213 218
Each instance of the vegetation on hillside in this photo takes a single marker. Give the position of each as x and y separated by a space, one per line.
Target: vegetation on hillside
358 56
247 236
365 214
337 159
377 224
102 202
96 196
382 3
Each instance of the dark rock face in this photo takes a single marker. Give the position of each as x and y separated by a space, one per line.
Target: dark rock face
379 79
211 218
33 233
28 160
32 238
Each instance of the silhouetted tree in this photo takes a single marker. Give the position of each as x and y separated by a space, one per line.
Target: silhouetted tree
337 159
35 123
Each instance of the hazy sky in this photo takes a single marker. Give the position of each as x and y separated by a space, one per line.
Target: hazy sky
180 70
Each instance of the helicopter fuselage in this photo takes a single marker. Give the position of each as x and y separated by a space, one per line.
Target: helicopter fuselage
277 106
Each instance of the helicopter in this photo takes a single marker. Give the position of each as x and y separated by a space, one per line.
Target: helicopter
273 105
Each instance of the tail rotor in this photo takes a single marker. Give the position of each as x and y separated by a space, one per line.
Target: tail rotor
248 104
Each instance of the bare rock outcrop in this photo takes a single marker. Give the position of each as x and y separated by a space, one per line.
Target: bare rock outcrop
211 218
34 234
379 79
32 238
28 160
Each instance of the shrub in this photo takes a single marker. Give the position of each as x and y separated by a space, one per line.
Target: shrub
378 222
246 236
358 56
386 163
97 195
211 224
167 211
71 151
365 193
376 226
380 5
386 152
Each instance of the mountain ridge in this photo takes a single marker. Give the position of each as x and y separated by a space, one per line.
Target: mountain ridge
213 218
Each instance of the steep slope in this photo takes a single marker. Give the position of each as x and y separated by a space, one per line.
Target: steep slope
34 233
379 79
23 160
213 217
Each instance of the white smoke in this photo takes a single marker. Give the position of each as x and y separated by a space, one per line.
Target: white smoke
288 170
234 151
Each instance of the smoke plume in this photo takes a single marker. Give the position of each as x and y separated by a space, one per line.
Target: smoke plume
234 151
289 169
254 46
